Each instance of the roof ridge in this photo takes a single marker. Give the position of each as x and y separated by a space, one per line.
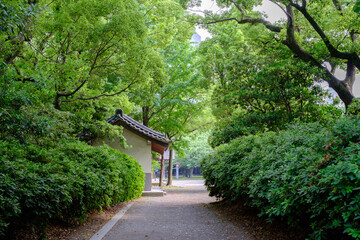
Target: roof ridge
129 122
145 127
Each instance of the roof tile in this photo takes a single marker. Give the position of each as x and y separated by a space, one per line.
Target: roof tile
122 119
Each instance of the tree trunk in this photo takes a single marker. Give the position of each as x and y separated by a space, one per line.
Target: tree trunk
57 102
191 172
184 173
187 172
344 88
162 166
169 182
145 115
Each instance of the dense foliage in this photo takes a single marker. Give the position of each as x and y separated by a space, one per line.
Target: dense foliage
323 34
258 86
65 67
46 174
40 184
195 151
307 174
283 143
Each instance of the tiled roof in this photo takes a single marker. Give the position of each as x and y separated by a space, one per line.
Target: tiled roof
119 118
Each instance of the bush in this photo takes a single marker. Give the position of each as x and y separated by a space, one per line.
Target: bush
306 174
39 184
354 107
46 174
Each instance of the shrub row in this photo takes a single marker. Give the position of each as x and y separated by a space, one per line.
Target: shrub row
42 184
306 174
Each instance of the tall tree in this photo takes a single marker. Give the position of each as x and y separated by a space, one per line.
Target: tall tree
170 108
83 46
167 29
15 22
259 86
309 33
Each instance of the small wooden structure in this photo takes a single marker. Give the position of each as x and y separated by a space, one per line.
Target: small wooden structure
141 140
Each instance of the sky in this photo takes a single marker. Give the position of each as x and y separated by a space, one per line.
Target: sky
274 14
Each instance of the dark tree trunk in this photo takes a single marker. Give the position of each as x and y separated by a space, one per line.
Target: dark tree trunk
145 115
342 88
57 102
162 166
191 172
169 182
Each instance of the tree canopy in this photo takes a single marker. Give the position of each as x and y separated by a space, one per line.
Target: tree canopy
309 33
66 66
196 150
258 85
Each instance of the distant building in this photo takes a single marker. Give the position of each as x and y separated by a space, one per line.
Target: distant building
195 40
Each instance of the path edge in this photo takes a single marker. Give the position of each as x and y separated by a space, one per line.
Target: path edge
110 224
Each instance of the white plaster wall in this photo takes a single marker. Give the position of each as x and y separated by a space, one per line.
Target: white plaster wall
139 148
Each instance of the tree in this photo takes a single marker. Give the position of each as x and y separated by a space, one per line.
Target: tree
310 34
196 150
259 86
85 47
15 22
64 67
172 107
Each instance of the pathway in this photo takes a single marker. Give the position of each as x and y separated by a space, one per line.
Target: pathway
181 215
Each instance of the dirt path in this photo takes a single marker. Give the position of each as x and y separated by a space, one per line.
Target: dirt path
186 212
181 214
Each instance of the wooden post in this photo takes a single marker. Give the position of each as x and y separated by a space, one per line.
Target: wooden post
169 181
162 166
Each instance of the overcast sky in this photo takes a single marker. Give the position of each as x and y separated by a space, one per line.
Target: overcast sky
274 14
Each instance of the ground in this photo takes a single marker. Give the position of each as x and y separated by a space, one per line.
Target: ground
89 227
186 212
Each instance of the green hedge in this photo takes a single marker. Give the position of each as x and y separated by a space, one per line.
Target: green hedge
40 184
307 174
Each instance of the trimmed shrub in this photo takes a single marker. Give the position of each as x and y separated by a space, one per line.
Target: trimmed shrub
39 184
306 174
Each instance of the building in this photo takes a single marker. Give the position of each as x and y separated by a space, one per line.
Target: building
195 40
141 141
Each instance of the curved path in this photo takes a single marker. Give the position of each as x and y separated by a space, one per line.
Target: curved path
181 214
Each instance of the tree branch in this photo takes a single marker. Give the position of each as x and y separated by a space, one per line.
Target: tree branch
252 21
64 94
195 129
22 78
350 75
277 4
6 110
239 7
337 5
345 95
333 51
101 95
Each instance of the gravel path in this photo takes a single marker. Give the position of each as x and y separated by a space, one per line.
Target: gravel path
179 215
